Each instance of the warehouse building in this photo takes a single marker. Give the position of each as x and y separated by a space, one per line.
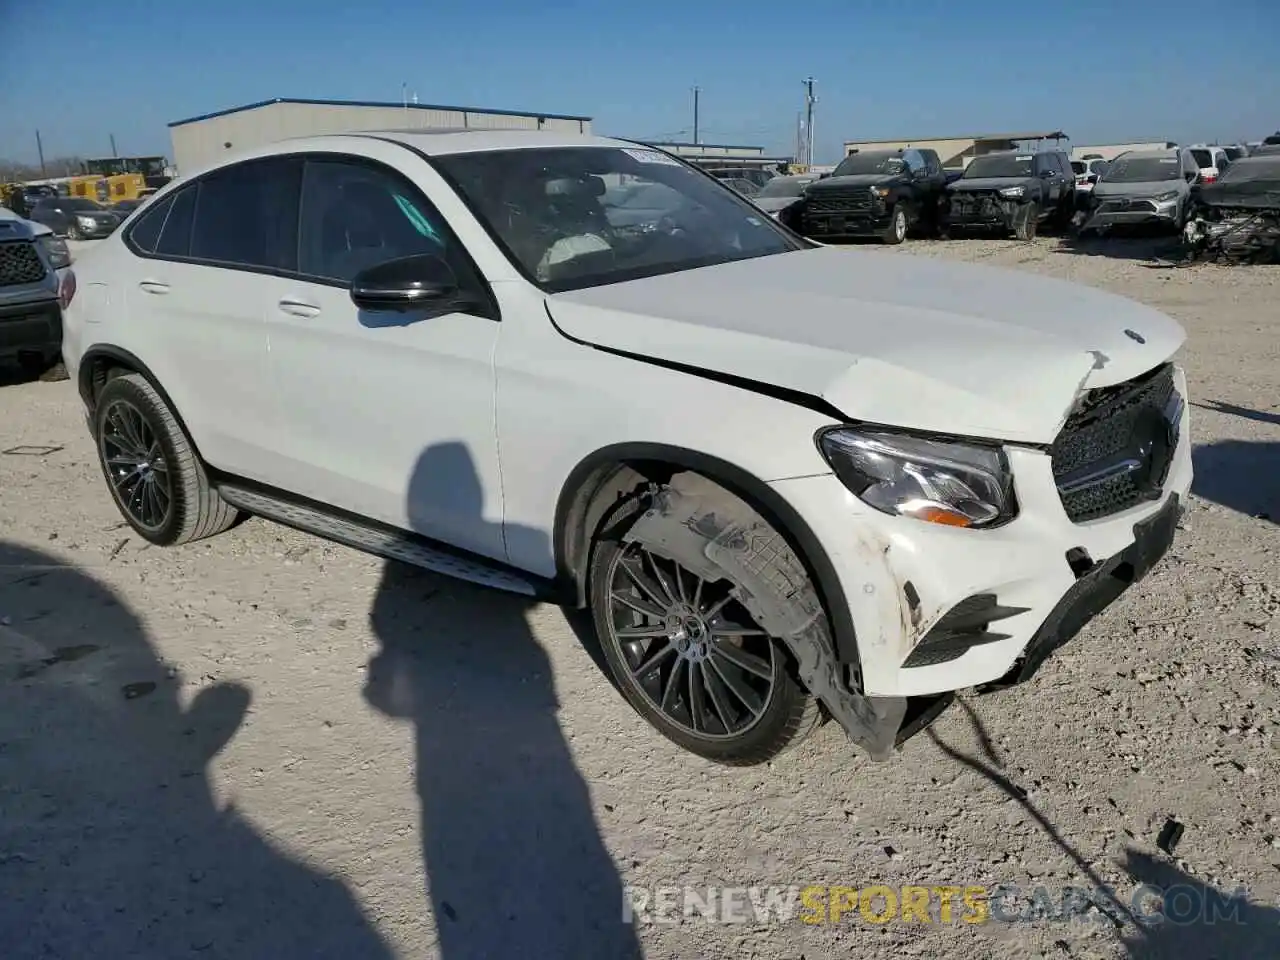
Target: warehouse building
722 155
201 140
1109 151
956 152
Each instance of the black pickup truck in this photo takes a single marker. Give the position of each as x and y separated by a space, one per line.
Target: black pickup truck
873 193
1012 191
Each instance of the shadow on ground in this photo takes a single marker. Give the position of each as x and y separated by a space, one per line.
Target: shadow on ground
514 860
1245 413
1166 915
1243 475
1158 246
111 842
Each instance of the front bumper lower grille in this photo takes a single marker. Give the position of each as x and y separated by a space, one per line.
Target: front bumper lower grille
1115 450
20 263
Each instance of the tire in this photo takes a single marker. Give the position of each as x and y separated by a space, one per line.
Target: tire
896 232
131 416
1025 221
788 713
55 372
73 231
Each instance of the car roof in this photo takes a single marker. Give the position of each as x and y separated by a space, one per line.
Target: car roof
1150 154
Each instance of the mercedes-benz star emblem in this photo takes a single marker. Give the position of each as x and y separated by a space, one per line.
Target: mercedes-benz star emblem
1134 335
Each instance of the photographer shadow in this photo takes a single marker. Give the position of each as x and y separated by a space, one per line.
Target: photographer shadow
513 856
111 841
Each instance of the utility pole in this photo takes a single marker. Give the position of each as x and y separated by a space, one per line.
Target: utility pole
809 101
40 150
113 145
696 92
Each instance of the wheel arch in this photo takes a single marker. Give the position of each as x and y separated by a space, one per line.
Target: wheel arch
595 484
95 370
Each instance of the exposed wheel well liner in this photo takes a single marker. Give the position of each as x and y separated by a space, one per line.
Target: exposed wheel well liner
95 367
596 482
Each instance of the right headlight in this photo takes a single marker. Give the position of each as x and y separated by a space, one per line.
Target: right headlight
948 482
56 249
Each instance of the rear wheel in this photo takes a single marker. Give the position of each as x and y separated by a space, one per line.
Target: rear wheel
689 657
156 479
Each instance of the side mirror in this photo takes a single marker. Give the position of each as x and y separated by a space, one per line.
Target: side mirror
405 284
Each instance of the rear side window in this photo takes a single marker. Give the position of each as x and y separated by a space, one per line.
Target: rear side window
175 235
145 234
247 215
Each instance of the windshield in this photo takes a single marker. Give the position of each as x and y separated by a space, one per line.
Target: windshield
886 163
82 203
575 217
1141 169
785 187
1252 168
1006 166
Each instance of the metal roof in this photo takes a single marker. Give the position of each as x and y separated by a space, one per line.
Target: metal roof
374 103
1026 135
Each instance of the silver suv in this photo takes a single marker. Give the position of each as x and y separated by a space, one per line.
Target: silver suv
34 283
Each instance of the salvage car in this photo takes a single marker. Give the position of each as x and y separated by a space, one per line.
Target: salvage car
783 192
76 218
1238 218
787 483
1142 187
1213 161
874 193
1012 192
1087 173
35 277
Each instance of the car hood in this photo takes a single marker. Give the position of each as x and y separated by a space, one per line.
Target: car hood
1139 189
773 204
13 226
974 184
905 341
852 180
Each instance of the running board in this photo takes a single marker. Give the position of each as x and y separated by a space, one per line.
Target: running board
378 540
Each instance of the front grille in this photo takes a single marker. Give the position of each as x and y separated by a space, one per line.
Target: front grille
20 263
1115 449
848 199
1127 206
975 205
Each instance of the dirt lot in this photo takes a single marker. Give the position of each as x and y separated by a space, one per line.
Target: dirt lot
267 746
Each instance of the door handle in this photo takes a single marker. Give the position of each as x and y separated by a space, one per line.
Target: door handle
298 308
154 286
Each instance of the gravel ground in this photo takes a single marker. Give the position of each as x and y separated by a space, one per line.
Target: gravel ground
264 745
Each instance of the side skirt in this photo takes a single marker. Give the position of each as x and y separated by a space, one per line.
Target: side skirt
383 541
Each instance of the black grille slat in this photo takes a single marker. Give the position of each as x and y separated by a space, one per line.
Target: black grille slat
1110 422
839 201
20 263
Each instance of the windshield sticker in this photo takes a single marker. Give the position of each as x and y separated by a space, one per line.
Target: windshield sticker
1022 158
755 221
1168 159
651 156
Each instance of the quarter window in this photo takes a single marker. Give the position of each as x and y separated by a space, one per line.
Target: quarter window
145 234
355 216
175 235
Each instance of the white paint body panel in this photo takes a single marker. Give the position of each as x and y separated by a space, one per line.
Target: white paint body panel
466 429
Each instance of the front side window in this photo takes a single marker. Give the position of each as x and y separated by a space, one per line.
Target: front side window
575 217
355 216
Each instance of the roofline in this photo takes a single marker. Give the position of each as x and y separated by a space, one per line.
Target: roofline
375 103
979 137
713 146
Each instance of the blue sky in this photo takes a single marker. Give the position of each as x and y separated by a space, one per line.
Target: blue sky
81 71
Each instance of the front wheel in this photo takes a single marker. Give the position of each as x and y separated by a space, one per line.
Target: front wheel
1025 221
155 476
690 659
896 232
73 231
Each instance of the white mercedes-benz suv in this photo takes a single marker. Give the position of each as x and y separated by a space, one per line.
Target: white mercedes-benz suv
790 482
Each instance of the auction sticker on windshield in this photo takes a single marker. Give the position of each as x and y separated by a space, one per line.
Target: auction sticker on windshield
651 156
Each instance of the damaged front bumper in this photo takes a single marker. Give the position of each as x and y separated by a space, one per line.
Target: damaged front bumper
981 211
1122 211
937 609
